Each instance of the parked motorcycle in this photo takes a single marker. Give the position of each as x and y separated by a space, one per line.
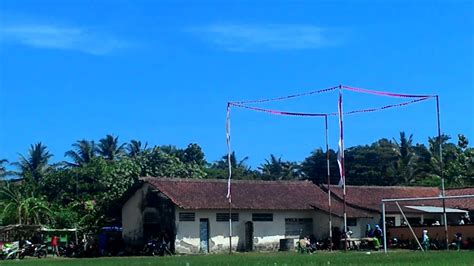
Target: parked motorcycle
33 250
10 251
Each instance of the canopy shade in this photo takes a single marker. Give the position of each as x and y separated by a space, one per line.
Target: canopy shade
433 209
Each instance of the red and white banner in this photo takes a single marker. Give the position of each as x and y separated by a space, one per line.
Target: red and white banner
340 154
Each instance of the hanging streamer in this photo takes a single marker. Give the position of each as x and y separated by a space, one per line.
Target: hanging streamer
368 110
287 97
276 112
383 93
229 151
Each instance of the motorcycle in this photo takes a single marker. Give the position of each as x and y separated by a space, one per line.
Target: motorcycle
33 250
10 251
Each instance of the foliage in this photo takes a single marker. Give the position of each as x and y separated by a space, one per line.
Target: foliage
82 153
35 165
109 148
90 190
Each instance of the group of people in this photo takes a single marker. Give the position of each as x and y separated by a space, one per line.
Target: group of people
375 234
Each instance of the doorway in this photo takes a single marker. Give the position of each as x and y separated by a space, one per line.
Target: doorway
248 236
204 235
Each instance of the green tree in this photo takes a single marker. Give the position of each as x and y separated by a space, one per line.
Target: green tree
3 169
19 207
406 159
276 169
314 167
82 153
135 148
35 165
109 148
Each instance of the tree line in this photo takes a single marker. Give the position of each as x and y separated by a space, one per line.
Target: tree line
88 189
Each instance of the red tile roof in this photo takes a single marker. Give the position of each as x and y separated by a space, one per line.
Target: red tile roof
248 195
370 197
463 203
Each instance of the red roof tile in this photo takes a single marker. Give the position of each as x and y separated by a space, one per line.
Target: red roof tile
248 195
370 197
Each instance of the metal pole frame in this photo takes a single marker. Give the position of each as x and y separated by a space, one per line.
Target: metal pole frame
441 173
384 229
329 183
229 194
409 226
341 128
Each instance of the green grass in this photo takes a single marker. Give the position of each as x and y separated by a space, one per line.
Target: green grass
273 259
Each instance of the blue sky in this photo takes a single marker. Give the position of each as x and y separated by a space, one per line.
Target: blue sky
162 71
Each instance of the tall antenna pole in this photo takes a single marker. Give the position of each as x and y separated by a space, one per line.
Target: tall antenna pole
229 163
329 183
443 193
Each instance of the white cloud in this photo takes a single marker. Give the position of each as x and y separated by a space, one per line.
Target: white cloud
241 37
51 36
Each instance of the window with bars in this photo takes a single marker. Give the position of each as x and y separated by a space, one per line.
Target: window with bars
262 217
224 217
187 216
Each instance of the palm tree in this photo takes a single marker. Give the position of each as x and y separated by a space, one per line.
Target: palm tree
276 169
36 164
3 169
406 163
83 152
109 147
223 163
135 148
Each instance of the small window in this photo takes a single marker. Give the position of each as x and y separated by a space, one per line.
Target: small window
351 222
224 217
187 216
262 217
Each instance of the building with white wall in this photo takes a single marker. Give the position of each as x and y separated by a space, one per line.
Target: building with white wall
194 214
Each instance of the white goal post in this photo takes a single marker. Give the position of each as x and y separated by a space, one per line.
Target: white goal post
384 201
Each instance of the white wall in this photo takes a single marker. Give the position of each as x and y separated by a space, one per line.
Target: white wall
266 235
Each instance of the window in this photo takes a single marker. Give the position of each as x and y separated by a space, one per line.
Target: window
224 217
414 220
262 217
390 221
295 227
351 222
187 216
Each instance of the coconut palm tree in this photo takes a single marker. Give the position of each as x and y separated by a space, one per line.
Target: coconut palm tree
135 148
3 169
36 163
109 148
406 163
82 153
276 169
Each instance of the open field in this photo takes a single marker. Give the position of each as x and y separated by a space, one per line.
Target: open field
322 258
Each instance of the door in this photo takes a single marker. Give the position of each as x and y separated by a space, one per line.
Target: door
248 236
204 235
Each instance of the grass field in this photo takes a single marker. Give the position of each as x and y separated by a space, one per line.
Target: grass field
274 259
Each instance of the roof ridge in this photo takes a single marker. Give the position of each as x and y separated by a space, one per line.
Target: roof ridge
204 180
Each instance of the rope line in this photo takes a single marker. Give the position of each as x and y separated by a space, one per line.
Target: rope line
288 113
384 93
287 97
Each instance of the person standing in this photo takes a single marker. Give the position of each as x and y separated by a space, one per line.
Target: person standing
425 240
54 245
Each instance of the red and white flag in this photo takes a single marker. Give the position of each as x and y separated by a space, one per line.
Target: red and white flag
340 154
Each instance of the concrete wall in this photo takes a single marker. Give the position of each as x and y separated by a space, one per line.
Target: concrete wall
434 232
266 235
